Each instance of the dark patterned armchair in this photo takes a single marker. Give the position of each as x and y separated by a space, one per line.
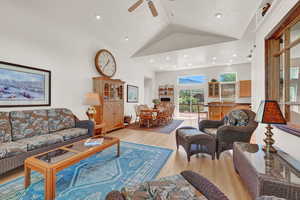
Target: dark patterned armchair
237 126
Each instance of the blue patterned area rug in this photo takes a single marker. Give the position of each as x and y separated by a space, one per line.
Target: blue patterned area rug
93 178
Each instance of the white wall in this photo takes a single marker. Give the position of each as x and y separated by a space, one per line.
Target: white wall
287 142
148 91
171 77
70 57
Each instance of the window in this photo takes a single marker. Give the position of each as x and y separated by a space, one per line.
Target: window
228 77
189 100
191 80
282 69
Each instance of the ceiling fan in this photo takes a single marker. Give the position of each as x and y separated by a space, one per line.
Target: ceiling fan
150 4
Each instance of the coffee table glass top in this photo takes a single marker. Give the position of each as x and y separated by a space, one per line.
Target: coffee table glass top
80 146
55 156
65 152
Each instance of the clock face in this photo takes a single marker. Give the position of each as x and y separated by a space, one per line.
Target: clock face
105 63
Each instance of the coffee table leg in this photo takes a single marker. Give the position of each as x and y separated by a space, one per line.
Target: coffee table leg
50 185
118 147
27 179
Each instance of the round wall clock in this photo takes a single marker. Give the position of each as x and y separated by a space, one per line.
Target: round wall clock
105 63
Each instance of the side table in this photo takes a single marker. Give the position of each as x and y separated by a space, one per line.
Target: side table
267 174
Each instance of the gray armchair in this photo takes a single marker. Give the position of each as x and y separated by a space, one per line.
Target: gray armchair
226 135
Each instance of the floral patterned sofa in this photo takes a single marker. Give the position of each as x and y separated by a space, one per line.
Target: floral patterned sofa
26 133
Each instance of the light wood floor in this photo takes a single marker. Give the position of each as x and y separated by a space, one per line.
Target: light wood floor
220 172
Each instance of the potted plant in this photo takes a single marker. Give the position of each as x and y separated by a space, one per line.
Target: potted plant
155 102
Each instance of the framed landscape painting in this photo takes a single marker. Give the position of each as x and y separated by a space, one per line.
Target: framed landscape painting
24 86
132 94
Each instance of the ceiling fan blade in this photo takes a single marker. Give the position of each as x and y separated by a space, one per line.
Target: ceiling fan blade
152 8
136 5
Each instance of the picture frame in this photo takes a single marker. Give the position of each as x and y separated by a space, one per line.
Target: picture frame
132 94
24 86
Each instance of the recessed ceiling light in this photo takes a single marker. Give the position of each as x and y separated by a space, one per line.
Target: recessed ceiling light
126 38
214 58
219 15
234 55
231 60
98 17
185 56
168 58
151 61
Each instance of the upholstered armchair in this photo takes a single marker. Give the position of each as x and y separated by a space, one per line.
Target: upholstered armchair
237 126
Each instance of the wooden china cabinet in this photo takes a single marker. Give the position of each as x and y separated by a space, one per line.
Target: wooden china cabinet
111 110
213 90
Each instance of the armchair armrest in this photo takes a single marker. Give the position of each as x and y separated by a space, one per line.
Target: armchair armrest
208 189
115 195
230 134
210 124
86 124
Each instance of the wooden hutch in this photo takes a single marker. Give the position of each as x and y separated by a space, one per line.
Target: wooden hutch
111 110
213 89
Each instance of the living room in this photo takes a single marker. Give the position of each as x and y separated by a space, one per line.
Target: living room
157 83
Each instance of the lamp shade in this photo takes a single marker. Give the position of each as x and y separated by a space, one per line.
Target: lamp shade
269 113
91 99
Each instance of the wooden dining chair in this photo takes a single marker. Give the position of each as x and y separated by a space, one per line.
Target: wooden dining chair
162 116
146 118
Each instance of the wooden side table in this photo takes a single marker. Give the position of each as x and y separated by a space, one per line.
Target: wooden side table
100 129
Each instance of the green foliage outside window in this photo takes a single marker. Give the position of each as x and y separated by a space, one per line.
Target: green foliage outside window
228 77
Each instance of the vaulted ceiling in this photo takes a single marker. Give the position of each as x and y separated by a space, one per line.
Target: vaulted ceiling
182 25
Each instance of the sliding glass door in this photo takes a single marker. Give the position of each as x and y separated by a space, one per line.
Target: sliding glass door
189 99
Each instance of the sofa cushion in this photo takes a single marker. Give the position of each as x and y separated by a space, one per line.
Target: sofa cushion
5 128
237 118
71 133
41 141
60 119
10 149
173 187
28 123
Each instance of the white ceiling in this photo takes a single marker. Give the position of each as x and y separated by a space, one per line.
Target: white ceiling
182 27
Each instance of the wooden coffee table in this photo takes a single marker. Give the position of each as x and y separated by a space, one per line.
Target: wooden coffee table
51 162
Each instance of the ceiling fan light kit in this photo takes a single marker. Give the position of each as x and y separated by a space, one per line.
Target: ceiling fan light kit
150 4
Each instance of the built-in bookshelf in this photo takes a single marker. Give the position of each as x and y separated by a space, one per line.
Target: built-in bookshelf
166 93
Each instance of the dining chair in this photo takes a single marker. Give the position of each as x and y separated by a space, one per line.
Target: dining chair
162 116
146 117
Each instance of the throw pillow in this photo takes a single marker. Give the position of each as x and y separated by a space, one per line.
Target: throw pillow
238 118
